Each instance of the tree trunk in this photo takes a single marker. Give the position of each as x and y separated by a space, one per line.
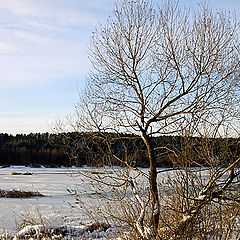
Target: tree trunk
152 182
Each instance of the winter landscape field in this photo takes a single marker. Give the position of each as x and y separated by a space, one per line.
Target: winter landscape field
53 183
58 208
147 93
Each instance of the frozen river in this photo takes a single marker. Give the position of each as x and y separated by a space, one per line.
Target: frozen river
52 182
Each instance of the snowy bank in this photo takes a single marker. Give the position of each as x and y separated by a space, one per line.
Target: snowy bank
89 231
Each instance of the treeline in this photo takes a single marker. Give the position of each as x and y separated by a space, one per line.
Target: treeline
77 149
33 149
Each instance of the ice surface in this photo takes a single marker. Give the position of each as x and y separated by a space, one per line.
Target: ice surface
52 182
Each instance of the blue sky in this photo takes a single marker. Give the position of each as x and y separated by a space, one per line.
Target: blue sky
43 57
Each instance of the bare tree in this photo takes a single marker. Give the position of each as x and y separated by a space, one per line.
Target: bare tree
163 71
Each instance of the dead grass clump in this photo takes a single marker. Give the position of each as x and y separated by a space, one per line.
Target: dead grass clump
19 194
98 226
19 173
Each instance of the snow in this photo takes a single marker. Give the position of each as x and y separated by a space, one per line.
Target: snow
52 182
101 231
17 167
185 218
56 207
200 198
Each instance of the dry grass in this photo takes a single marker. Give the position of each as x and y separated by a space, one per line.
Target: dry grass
19 194
19 173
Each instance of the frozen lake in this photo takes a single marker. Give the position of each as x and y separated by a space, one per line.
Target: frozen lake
52 182
55 207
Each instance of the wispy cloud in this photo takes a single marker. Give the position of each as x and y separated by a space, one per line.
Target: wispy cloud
24 7
33 70
31 37
43 55
59 12
43 40
7 47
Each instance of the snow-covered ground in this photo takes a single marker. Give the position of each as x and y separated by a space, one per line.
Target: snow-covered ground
56 205
52 182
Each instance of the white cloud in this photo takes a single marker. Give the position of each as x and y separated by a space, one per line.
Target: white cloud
31 71
50 12
31 37
7 47
47 41
42 42
19 7
71 17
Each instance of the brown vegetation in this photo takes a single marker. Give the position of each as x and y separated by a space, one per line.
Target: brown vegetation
19 194
20 173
